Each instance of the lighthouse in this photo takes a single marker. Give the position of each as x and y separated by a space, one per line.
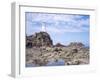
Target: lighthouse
43 27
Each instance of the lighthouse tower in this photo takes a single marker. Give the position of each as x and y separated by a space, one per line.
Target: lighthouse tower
43 27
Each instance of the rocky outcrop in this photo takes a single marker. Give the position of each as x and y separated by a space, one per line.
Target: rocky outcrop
38 40
45 56
76 44
59 45
40 51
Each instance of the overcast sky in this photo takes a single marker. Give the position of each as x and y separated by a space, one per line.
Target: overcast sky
63 28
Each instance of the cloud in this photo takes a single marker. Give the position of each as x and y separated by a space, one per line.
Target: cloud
58 23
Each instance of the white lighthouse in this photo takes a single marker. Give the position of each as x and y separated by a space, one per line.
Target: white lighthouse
43 27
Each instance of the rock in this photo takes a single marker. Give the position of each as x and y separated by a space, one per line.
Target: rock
76 45
73 63
38 40
74 51
40 62
49 49
28 44
59 45
57 49
29 41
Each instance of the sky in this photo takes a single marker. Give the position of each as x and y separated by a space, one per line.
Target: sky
63 28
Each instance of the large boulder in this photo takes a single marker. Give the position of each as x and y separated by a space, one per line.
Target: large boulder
39 39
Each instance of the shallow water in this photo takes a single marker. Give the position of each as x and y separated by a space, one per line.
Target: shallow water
30 65
60 62
57 63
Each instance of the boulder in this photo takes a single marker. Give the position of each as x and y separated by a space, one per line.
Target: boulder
59 45
39 39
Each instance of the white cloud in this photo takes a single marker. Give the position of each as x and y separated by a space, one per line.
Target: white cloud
60 23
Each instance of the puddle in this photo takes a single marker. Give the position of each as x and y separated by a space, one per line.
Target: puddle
60 62
57 63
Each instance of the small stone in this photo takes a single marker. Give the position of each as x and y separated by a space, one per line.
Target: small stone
74 51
